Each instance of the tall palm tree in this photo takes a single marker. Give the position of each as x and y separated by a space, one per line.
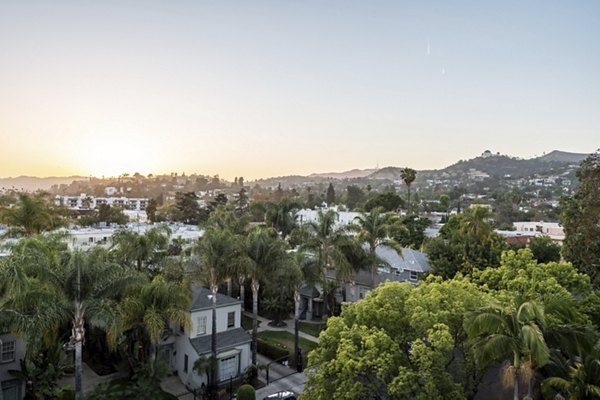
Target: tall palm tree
516 334
150 307
215 250
265 252
408 175
326 242
31 214
374 229
79 286
142 250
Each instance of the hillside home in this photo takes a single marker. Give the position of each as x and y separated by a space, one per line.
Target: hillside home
233 343
12 350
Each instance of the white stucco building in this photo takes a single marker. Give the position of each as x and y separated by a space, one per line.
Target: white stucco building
12 350
233 343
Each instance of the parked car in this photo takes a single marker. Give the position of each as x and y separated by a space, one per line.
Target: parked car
283 395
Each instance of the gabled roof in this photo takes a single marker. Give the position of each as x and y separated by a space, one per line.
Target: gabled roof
411 260
225 340
201 300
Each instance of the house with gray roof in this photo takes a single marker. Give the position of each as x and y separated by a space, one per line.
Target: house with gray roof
233 344
409 266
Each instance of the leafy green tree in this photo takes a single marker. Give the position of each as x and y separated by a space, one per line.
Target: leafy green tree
410 231
520 273
445 203
330 199
465 242
408 175
544 249
581 220
188 209
355 197
111 215
151 210
387 201
31 214
372 351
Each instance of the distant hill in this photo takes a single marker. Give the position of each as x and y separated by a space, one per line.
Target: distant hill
563 156
354 173
33 183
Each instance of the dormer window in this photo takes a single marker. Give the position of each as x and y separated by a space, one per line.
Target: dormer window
231 319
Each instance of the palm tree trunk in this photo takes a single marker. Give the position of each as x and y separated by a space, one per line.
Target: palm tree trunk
255 287
297 326
516 391
77 335
213 342
242 282
229 285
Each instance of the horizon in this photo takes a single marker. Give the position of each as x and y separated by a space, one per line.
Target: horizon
192 173
268 89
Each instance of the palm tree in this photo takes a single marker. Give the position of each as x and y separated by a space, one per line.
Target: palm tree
374 230
142 250
150 307
517 334
265 252
326 242
282 216
474 223
216 249
408 175
78 286
30 215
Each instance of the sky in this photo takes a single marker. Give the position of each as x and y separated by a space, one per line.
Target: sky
271 88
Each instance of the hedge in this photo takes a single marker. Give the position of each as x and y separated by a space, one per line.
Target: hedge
271 350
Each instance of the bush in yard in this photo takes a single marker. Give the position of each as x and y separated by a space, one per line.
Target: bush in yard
246 392
272 351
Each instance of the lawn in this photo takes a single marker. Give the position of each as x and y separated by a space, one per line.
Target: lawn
312 328
286 340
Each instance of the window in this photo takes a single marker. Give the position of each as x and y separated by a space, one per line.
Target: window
200 326
228 367
231 319
414 276
185 363
8 351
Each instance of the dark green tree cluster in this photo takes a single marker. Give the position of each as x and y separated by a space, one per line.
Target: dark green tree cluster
465 242
437 340
581 220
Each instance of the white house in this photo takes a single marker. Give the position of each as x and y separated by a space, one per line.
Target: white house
12 349
552 229
233 343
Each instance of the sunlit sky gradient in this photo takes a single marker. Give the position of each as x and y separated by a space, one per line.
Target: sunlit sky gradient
268 88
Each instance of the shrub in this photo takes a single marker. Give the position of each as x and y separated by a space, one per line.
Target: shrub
271 351
246 392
